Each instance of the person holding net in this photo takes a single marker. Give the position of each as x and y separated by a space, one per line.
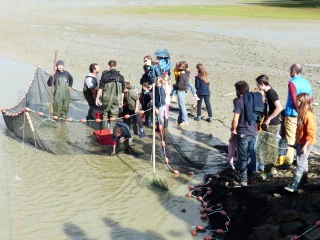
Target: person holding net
62 81
90 89
305 138
111 89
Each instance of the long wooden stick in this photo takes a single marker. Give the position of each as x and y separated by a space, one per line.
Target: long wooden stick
154 129
52 86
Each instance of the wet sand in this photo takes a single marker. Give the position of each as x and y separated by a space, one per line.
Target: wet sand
90 197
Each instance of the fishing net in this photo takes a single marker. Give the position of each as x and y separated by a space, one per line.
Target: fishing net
60 137
269 147
76 135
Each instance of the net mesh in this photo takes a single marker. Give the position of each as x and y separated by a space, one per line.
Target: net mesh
74 137
59 137
269 147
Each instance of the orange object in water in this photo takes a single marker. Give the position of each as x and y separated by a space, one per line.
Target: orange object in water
112 119
83 120
223 213
127 116
200 228
189 195
40 113
98 120
141 112
163 143
200 198
191 187
219 205
55 117
209 210
69 119
227 224
166 160
203 216
190 173
27 109
207 238
201 184
103 137
202 210
176 172
219 231
209 192
193 232
205 204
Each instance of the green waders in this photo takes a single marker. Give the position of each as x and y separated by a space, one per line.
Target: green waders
61 97
111 97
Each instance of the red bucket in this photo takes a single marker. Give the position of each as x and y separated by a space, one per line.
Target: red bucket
103 137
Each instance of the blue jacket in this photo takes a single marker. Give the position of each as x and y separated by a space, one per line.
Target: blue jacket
125 131
160 97
301 85
202 87
154 71
254 107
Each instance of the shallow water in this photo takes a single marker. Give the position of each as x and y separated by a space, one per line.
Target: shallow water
82 196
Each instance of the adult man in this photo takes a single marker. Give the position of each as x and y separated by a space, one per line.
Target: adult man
90 88
245 132
272 122
62 85
111 88
296 85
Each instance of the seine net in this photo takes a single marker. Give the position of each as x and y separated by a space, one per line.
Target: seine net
76 136
269 147
61 137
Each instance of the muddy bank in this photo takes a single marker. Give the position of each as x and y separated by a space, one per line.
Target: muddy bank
264 210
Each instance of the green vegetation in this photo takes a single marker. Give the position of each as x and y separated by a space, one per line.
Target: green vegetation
251 10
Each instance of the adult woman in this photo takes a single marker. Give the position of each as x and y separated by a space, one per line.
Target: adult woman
202 82
152 70
182 87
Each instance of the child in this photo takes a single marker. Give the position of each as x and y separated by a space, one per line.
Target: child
177 73
305 137
131 107
146 100
202 82
121 134
160 100
167 89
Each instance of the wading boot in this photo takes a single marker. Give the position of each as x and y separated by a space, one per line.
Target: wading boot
294 186
142 133
166 122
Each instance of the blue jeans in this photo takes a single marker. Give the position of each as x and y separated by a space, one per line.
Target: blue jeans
193 90
161 114
245 146
183 115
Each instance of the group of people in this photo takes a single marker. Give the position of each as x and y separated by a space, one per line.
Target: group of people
262 110
112 97
253 111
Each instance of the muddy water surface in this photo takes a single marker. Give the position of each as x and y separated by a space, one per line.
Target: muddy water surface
83 196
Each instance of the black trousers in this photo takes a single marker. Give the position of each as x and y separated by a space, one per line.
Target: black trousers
207 102
132 120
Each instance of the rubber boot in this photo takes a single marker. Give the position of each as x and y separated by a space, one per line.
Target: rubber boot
166 123
304 178
135 129
294 186
112 124
142 133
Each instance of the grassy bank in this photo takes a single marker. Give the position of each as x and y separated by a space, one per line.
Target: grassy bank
245 11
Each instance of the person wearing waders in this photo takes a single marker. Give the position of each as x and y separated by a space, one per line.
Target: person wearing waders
90 89
62 85
111 89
